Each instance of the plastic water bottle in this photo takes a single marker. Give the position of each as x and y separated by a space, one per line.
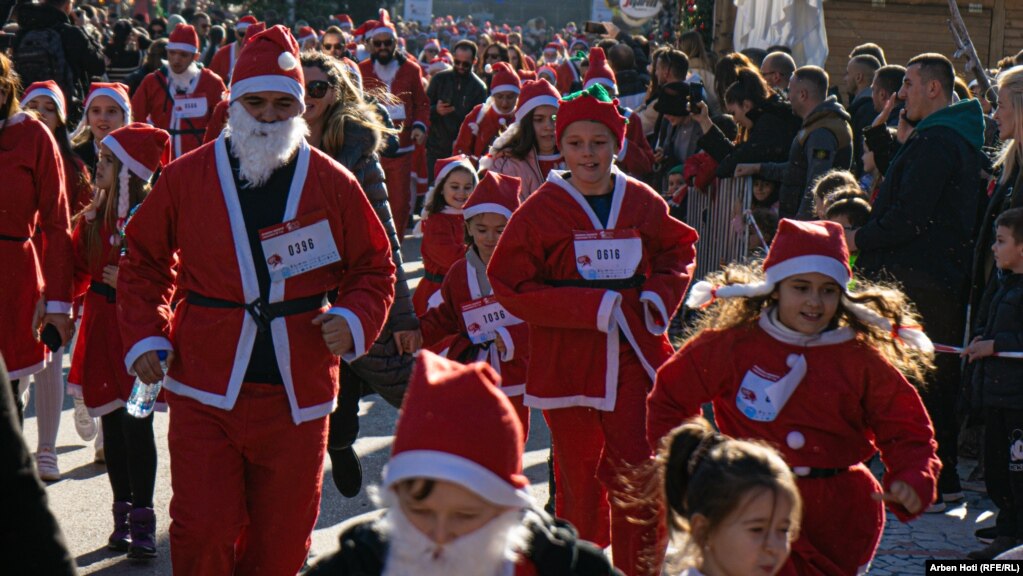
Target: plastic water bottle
143 396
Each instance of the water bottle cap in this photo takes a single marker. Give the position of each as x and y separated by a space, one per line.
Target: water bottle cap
161 354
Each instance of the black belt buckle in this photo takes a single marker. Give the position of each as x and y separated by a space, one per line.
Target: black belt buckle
261 313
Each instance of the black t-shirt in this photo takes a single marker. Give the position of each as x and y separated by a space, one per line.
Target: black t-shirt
263 206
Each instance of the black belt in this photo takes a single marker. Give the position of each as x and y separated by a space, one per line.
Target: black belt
818 473
104 290
19 239
264 312
438 278
193 131
622 284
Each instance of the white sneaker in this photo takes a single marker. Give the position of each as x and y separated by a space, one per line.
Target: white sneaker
46 464
84 424
936 508
101 454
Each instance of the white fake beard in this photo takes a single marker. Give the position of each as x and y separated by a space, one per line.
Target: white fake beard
184 80
262 147
485 552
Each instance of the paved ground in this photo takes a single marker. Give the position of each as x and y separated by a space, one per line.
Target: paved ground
82 499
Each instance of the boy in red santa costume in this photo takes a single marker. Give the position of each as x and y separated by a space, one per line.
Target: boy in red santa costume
482 330
285 267
486 121
457 501
791 356
595 265
225 58
181 96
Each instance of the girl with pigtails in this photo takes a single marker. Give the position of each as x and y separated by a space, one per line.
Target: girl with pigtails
790 355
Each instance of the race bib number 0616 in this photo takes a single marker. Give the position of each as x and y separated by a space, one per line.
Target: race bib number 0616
607 254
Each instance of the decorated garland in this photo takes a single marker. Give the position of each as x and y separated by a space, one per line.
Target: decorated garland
698 15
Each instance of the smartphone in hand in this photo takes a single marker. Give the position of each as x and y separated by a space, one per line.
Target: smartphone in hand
50 336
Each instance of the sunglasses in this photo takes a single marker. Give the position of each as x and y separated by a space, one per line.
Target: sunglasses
317 88
383 43
462 64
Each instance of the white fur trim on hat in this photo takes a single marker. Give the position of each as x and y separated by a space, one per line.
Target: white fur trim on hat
505 88
182 47
381 30
136 167
29 96
834 269
462 471
113 95
439 177
268 83
605 82
485 208
533 103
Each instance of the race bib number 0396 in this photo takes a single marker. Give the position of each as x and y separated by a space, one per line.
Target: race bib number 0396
607 254
297 246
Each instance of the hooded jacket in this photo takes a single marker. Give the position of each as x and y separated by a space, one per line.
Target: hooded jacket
925 217
774 128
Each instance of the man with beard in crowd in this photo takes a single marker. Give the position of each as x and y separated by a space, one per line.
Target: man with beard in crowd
400 77
453 94
285 267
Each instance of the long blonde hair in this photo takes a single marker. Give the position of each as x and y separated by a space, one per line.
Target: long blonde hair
349 105
1010 87
10 83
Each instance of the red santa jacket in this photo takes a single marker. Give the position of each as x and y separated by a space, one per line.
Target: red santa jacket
568 76
538 249
407 85
185 116
34 195
479 129
462 286
217 121
194 210
636 157
223 61
847 402
443 244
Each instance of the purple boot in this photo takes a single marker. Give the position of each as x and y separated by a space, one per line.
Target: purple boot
143 533
120 538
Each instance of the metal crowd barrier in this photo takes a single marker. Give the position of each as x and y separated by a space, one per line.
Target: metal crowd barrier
711 214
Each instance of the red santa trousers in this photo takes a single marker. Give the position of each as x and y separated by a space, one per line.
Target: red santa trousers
246 484
601 459
398 172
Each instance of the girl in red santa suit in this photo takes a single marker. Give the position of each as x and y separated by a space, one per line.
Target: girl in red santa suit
47 100
595 265
528 149
128 158
35 287
457 501
107 108
442 227
486 121
482 330
792 356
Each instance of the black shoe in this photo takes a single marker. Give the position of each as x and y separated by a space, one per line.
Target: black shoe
987 535
346 470
1000 545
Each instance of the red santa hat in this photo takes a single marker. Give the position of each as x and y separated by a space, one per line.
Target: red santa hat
184 38
496 193
501 37
269 62
344 21
437 65
505 79
801 248
580 39
381 26
51 89
550 71
594 104
535 93
142 149
457 426
552 46
432 42
599 71
244 22
306 33
253 30
115 91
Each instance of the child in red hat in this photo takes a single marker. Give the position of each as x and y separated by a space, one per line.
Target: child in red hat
595 265
790 355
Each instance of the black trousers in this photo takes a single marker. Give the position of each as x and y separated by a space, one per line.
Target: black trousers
344 421
131 457
19 407
1003 467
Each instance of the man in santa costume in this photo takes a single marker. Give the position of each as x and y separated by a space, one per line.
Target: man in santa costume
595 265
223 61
399 76
487 120
285 267
457 501
179 97
636 157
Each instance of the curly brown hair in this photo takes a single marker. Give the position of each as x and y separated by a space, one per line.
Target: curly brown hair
887 301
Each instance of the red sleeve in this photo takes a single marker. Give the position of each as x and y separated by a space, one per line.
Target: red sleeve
420 103
639 157
82 275
140 101
221 62
217 122
683 384
443 242
903 434
466 140
440 321
54 219
671 245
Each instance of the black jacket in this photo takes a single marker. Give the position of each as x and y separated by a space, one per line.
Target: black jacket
923 224
774 127
554 550
631 82
998 382
464 93
382 369
84 55
861 110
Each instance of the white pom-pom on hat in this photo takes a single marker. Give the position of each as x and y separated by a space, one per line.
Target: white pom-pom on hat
287 61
